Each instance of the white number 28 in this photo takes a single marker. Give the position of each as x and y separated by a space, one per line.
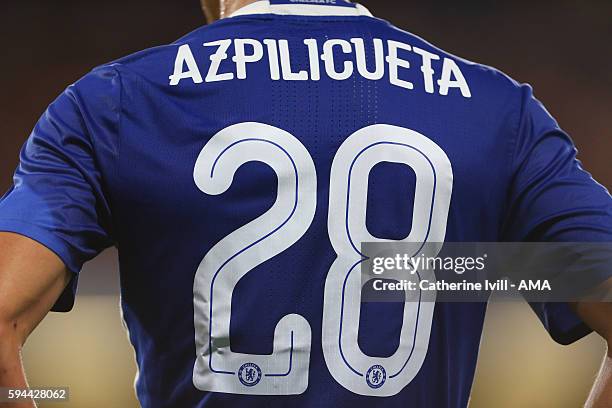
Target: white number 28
285 371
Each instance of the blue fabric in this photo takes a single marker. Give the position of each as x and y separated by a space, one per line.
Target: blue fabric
338 3
111 163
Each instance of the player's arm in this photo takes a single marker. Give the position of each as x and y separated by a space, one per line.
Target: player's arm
31 280
598 316
553 199
58 201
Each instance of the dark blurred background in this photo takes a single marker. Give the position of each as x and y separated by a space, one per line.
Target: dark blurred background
562 48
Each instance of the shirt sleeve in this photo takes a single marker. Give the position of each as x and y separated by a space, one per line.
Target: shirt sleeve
58 197
553 199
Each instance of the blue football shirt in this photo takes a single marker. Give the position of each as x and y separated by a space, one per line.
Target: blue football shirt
238 169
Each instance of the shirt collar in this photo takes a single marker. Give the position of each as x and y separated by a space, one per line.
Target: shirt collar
303 8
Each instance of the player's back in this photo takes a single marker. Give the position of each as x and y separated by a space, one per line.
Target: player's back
275 145
242 167
256 154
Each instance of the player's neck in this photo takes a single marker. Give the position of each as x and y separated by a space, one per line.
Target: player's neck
228 7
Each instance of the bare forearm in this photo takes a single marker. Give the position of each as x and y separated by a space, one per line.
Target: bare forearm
598 316
31 279
601 396
11 368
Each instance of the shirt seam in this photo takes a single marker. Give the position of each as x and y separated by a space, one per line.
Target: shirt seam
513 145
